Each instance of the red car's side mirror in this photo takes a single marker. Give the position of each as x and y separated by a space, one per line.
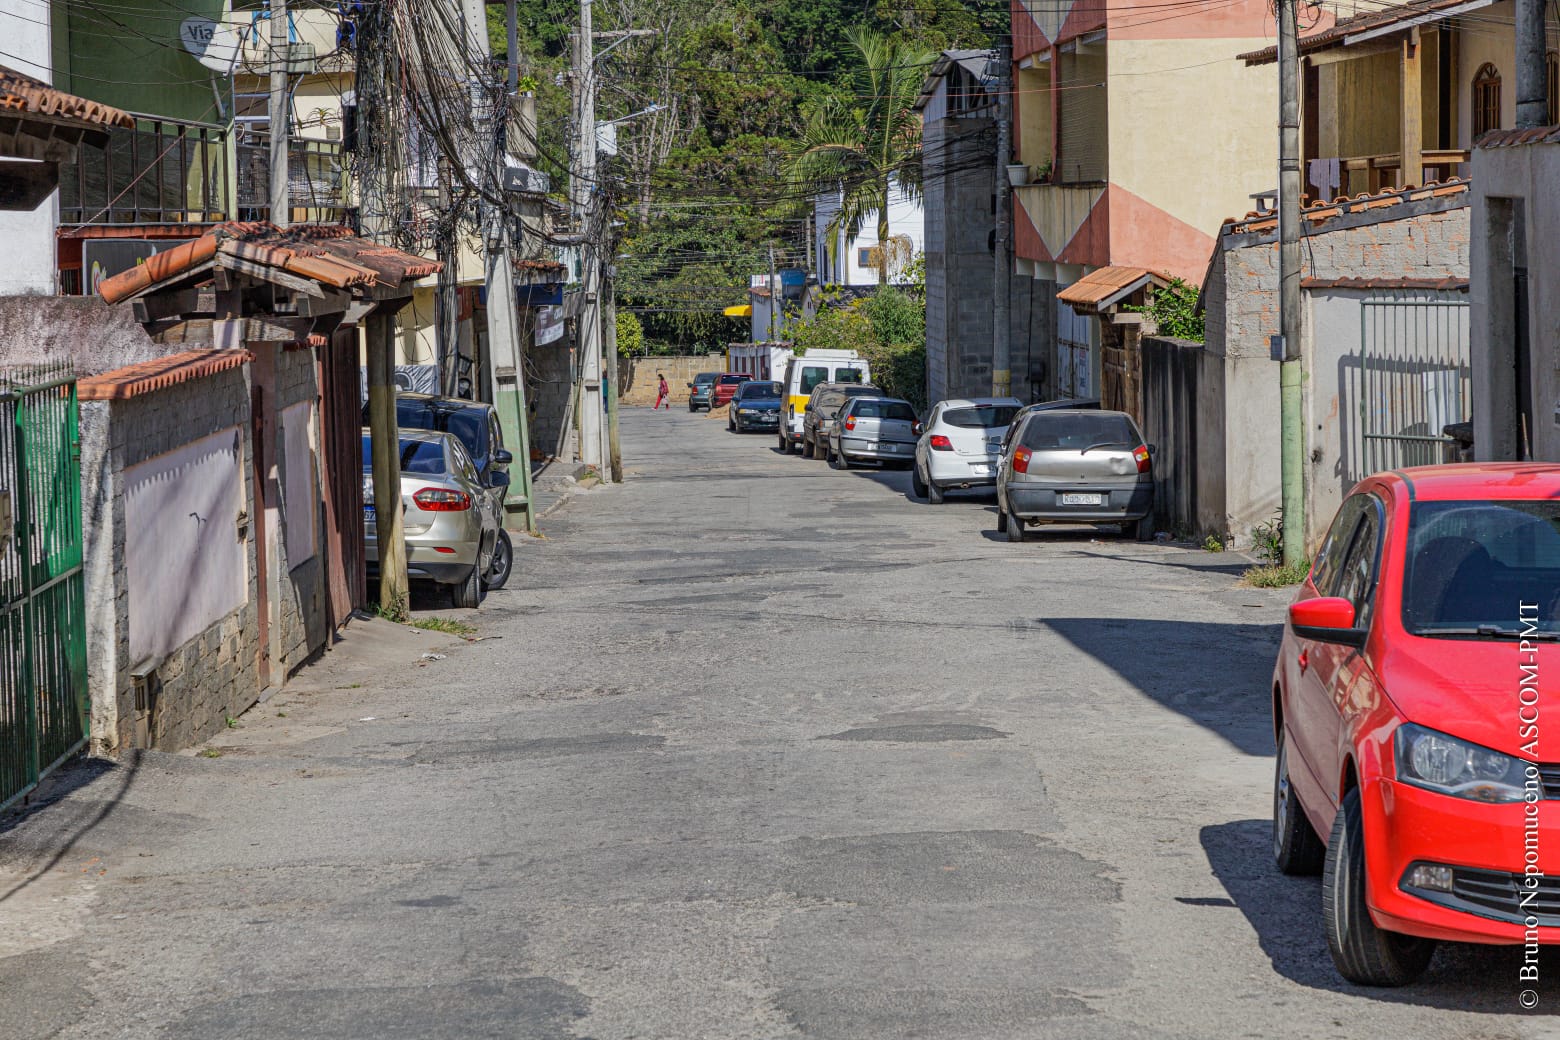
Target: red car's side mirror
1326 619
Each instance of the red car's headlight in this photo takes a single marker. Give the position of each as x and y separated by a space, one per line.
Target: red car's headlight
1449 765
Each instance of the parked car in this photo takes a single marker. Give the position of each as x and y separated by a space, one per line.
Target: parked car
1405 707
476 424
726 387
701 390
822 407
873 429
450 520
960 445
805 374
1071 403
1075 467
755 407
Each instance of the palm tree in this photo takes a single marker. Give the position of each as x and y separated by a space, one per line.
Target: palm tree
865 136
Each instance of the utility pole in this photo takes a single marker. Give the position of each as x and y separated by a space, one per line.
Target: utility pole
1001 359
1292 438
508 377
609 296
1532 78
774 297
446 307
278 114
582 197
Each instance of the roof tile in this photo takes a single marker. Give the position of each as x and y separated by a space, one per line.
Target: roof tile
1322 212
158 374
19 93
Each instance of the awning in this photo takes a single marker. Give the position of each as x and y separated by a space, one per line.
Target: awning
1107 287
742 310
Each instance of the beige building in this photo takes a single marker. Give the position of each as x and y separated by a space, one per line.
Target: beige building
1138 131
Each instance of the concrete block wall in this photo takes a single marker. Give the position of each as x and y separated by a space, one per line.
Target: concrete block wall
549 374
638 377
211 676
1418 240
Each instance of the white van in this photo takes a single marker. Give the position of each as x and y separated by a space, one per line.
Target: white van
805 372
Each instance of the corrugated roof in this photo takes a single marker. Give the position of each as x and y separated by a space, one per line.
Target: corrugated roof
1106 286
1419 11
326 253
158 374
1324 211
20 93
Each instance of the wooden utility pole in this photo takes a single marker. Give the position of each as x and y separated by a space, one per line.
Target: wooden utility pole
1001 347
1292 435
278 114
385 450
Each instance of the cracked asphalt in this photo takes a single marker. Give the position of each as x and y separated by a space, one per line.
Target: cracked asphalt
749 749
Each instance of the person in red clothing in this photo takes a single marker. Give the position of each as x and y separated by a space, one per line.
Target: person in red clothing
662 392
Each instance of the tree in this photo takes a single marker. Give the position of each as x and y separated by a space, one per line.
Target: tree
865 137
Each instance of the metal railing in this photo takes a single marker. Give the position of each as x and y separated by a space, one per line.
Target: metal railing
43 673
316 179
165 171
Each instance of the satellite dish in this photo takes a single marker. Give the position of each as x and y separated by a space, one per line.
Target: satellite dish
214 45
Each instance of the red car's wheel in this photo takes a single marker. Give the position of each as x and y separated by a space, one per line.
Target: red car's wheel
1296 847
1363 953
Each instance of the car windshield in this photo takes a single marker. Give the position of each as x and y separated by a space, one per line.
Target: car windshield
468 424
1061 431
980 417
870 409
419 456
1485 568
759 392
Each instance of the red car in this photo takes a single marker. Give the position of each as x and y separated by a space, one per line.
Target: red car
1406 708
726 388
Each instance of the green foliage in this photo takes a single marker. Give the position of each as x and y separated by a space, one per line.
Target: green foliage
1276 575
1267 539
630 335
1174 310
1213 544
888 329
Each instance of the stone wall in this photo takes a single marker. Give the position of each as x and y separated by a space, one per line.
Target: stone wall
189 694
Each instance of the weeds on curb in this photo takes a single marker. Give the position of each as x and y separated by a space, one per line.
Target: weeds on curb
1276 575
448 625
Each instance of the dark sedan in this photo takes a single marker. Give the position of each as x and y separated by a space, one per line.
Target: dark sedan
756 406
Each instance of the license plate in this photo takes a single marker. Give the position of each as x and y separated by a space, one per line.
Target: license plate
1076 499
890 447
980 471
368 511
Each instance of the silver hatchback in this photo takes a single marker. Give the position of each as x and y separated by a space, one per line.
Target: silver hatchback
1076 467
961 445
450 519
872 429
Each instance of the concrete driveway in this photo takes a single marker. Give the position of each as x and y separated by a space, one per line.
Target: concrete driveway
748 748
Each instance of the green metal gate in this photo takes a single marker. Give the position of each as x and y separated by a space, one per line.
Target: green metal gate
43 672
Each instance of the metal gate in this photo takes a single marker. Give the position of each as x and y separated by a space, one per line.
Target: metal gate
1414 379
43 675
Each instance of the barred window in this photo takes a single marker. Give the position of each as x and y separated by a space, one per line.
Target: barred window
1486 100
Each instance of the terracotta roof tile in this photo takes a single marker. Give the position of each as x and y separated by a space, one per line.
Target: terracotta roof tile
327 253
1322 212
1098 288
158 374
1378 19
1514 138
1444 284
19 93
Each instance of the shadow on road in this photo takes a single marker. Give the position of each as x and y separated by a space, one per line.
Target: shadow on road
53 834
1286 914
1217 675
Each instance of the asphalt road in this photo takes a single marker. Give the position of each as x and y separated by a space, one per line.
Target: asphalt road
751 748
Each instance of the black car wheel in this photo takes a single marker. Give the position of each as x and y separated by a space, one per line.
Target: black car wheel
917 485
1015 528
1296 847
934 494
1362 952
503 562
468 591
1002 519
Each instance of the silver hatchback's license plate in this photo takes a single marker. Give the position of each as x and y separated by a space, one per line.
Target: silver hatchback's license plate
1073 498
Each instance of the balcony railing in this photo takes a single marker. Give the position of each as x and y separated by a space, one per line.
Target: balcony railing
164 171
1375 173
316 180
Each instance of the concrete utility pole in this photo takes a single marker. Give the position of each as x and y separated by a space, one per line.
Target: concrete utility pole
1292 440
278 113
609 297
1001 348
508 379
582 197
1532 78
385 452
774 297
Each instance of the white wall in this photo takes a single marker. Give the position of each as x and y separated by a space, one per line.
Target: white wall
842 266
28 236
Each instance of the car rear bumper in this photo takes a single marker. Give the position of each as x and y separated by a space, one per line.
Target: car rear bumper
424 561
1485 845
758 421
949 469
1042 500
857 448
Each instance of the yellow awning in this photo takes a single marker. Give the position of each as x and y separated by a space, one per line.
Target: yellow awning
744 310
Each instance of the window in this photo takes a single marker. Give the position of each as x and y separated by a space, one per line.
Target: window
1329 558
980 417
871 408
1059 431
864 257
848 375
1486 100
812 375
1357 575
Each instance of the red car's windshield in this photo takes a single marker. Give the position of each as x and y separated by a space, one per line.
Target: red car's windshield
1483 569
